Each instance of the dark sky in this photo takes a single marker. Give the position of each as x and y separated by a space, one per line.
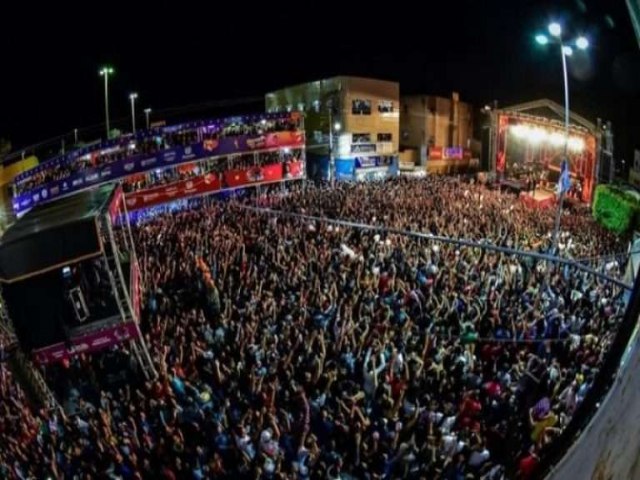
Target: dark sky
183 53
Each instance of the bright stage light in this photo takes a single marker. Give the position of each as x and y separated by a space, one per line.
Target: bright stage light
537 135
520 131
556 139
576 144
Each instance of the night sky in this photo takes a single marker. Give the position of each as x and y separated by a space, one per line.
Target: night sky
178 54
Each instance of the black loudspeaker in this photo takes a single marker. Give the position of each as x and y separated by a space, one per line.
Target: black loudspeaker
38 307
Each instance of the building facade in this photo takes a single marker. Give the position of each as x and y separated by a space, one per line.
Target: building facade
438 129
352 125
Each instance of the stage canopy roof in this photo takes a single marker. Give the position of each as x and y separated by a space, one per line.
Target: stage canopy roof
53 235
549 109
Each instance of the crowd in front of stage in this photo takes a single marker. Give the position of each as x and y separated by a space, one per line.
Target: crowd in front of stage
291 347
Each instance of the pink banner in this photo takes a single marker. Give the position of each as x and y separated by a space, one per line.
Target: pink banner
88 343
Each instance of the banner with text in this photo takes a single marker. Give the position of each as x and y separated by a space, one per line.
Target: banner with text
211 183
141 163
89 343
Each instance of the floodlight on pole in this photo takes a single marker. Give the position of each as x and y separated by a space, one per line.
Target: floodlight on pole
555 29
132 99
105 72
542 39
582 43
337 126
147 111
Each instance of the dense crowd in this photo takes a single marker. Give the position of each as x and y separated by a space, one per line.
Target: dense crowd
148 146
291 348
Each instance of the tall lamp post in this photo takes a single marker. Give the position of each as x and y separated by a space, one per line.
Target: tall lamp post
105 72
555 37
147 111
333 127
132 99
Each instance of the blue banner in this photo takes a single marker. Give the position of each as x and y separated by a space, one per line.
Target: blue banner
345 169
166 158
97 147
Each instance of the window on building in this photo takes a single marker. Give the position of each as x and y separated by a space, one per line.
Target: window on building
385 106
384 137
361 107
361 138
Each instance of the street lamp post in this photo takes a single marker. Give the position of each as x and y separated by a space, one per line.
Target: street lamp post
132 99
147 111
105 72
333 127
555 30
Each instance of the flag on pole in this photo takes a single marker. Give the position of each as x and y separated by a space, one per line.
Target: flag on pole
564 182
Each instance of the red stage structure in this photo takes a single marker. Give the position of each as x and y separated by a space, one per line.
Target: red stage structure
529 148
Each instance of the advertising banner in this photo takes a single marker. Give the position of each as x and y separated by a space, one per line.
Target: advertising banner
141 163
211 183
94 149
166 193
435 153
89 343
454 153
367 162
239 178
345 169
293 169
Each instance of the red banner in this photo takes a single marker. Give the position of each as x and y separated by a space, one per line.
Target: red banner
238 178
277 140
185 188
211 183
89 343
293 169
436 153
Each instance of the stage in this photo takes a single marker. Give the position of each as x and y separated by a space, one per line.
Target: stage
538 199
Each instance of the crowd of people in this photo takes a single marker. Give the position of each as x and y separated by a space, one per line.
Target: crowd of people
291 347
149 145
